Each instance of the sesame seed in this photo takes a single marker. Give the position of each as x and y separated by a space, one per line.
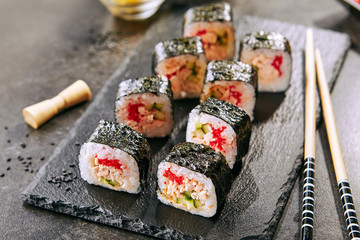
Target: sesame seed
9 141
42 159
52 144
72 165
23 145
8 168
26 169
31 171
9 160
29 158
77 144
2 175
27 135
6 128
67 189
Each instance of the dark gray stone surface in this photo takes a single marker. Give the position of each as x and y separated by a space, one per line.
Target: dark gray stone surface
270 168
47 45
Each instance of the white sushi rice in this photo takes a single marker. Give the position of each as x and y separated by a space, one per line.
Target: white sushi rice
181 87
213 51
207 193
150 126
268 77
229 148
247 91
128 178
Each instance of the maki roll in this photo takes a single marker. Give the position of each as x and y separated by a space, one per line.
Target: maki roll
183 62
115 157
270 54
221 125
145 104
213 23
194 178
231 81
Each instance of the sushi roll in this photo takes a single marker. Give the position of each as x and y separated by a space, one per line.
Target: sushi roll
270 54
213 23
183 62
194 178
115 157
231 81
145 104
221 125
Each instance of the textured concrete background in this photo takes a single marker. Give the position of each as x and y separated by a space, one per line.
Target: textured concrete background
47 45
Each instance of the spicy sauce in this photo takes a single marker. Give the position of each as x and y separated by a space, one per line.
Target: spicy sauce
218 141
172 177
109 162
235 94
133 111
277 63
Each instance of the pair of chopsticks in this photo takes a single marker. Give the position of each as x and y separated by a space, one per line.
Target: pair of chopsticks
312 57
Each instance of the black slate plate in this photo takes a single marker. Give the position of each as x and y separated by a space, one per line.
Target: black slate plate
259 194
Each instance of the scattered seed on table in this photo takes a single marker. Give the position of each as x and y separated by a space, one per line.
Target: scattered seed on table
72 165
75 177
29 158
9 160
31 171
42 159
6 128
8 168
23 162
23 145
70 173
77 144
67 189
52 144
50 181
9 141
26 169
2 175
27 135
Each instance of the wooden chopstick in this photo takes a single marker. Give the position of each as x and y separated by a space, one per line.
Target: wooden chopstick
336 152
309 144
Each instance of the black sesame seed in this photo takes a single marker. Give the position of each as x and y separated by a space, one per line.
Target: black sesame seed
2 175
64 174
29 158
27 135
31 171
23 145
52 144
29 163
75 177
8 168
50 181
18 157
77 144
26 169
42 159
70 173
72 165
9 160
67 189
9 141
6 128
23 162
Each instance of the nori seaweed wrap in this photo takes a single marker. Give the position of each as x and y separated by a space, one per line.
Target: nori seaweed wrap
270 54
183 62
223 126
231 81
145 104
194 178
116 157
213 23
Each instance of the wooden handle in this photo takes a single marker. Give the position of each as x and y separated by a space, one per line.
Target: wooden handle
39 113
